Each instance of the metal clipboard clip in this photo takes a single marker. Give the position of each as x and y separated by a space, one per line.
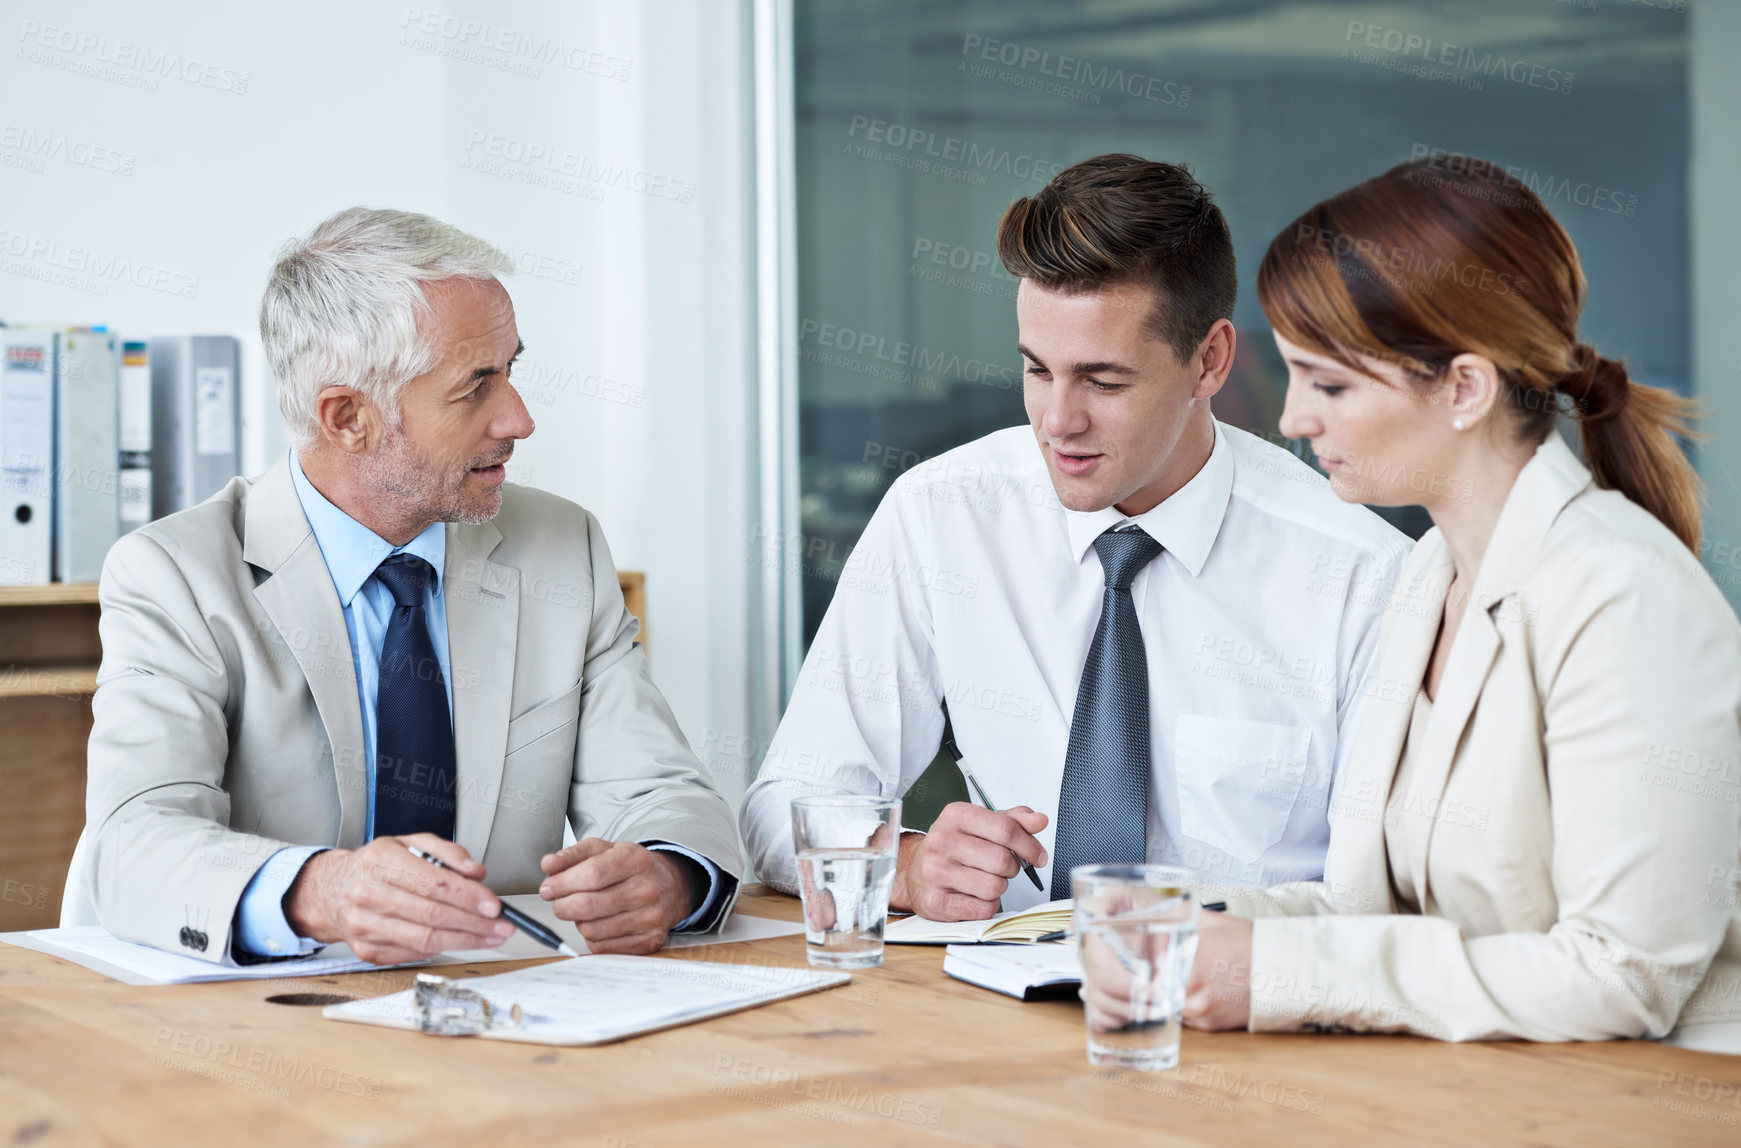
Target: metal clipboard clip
445 1007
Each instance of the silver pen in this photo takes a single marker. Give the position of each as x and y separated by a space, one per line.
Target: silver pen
955 753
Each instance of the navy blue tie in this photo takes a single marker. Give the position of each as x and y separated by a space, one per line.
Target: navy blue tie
1103 802
415 780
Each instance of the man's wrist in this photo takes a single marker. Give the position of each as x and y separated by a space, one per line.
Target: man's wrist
261 928
902 898
305 902
690 880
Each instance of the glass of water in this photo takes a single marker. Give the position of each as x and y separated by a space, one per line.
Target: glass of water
846 863
1136 929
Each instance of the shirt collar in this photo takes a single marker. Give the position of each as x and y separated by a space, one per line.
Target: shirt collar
352 550
1185 524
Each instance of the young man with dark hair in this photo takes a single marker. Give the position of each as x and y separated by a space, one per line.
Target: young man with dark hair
1153 632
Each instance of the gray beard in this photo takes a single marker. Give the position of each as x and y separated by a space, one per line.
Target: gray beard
419 489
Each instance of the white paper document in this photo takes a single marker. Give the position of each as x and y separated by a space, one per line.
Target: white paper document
97 949
597 999
520 947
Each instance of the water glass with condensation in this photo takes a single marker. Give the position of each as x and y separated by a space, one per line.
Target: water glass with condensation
846 848
1136 931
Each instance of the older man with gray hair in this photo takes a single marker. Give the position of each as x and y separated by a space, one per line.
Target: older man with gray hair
378 644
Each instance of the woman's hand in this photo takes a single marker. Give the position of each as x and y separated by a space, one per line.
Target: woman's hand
1218 991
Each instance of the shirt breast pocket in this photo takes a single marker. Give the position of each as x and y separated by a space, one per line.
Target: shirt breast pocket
1238 781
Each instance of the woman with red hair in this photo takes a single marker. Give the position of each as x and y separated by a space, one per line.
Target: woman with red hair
1539 833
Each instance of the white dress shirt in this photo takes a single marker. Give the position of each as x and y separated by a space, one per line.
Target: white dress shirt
973 585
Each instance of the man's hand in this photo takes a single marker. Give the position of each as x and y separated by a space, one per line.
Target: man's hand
622 897
958 870
1218 992
390 907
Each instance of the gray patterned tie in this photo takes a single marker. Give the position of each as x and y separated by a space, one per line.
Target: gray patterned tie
1103 803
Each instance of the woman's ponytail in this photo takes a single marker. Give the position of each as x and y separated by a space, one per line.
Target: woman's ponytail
1629 440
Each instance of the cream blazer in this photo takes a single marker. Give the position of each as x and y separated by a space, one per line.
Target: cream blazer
228 725
1578 870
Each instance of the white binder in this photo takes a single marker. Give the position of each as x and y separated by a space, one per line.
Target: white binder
26 456
196 419
135 434
87 505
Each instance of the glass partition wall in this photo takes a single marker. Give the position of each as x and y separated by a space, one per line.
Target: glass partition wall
918 121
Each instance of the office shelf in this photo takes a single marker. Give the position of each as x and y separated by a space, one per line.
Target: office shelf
49 679
49 652
54 594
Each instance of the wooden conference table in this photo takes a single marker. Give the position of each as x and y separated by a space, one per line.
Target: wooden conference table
901 1055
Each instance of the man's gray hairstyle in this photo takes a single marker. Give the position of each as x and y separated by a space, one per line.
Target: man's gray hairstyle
342 306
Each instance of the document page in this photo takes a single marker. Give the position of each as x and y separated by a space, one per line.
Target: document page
594 999
737 927
97 949
147 965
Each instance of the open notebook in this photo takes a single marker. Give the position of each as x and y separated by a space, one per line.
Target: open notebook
1021 925
598 999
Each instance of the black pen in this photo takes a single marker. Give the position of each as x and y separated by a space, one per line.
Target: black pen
955 752
513 916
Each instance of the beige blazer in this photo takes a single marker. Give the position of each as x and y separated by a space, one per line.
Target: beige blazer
1578 869
228 723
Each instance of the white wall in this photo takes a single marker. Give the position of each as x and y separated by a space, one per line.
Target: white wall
236 127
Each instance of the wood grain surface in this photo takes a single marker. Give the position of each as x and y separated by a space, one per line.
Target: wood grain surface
901 1055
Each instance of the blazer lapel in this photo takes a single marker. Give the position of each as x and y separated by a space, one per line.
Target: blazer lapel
1550 480
1472 655
1357 849
483 614
1543 488
300 599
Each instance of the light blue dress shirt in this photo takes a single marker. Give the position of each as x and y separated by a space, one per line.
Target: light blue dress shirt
352 552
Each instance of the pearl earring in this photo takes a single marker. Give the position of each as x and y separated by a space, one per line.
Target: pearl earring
1459 424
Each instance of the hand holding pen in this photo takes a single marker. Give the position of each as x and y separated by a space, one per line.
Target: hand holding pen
531 927
962 866
961 763
390 908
